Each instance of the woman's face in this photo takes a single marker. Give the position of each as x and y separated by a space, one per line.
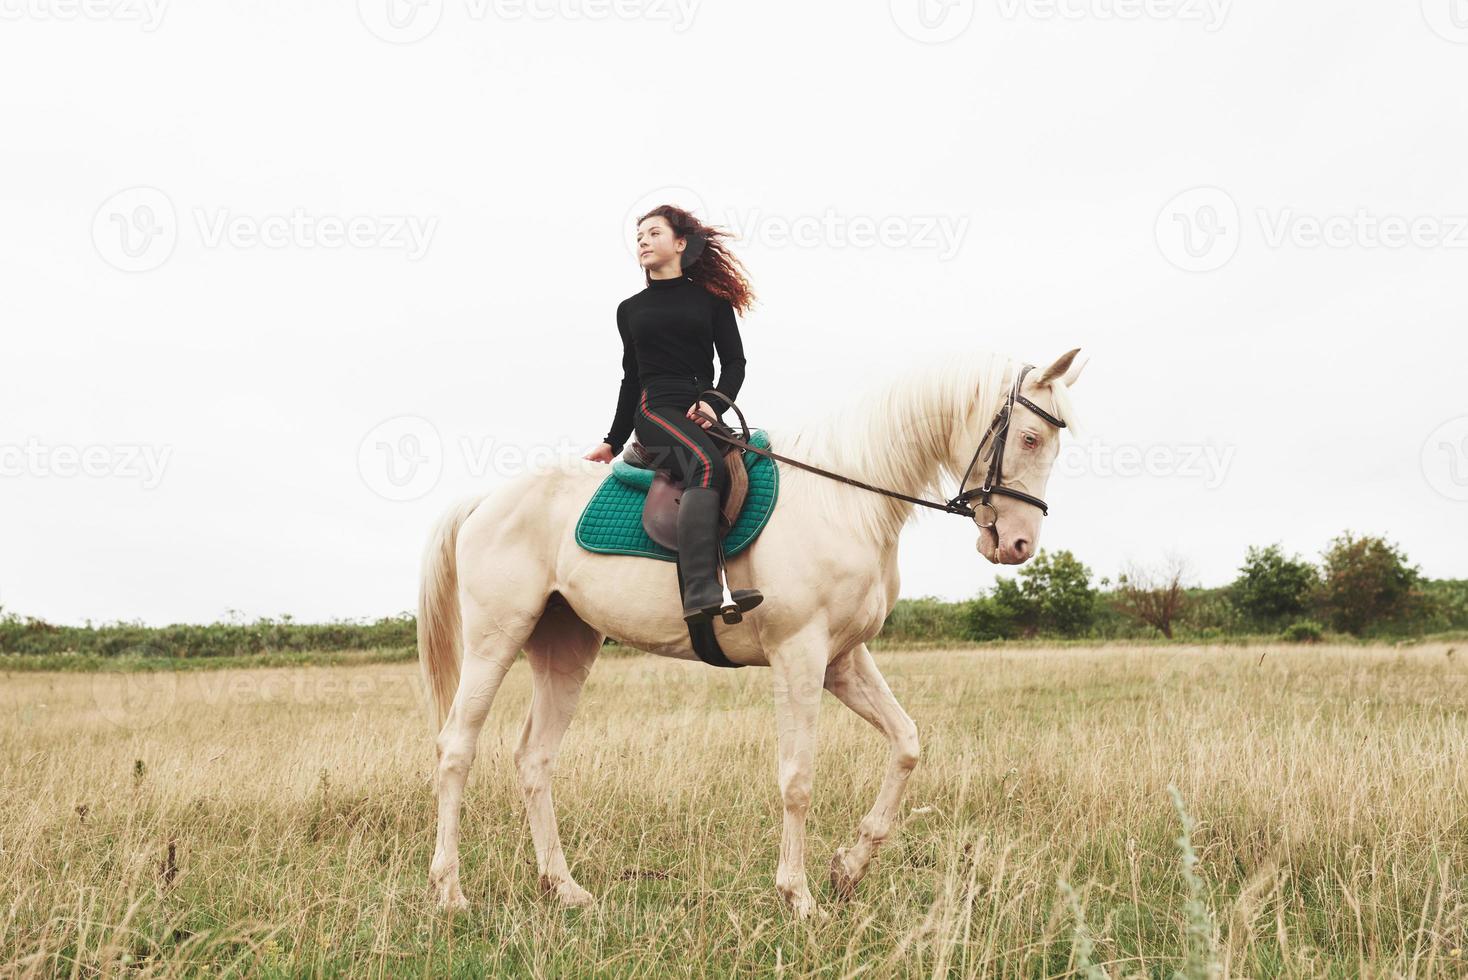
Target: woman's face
657 246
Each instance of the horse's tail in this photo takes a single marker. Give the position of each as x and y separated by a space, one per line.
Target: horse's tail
439 624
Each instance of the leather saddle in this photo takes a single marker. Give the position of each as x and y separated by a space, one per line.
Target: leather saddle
660 510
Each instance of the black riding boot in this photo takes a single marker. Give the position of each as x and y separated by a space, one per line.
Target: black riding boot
700 555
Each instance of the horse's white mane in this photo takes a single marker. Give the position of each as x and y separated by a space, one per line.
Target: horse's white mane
900 433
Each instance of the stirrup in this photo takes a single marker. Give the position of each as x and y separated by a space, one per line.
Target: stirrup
728 608
733 605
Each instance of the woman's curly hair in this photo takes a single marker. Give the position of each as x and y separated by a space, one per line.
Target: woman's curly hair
714 267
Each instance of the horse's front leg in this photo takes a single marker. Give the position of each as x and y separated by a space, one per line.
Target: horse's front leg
798 669
856 681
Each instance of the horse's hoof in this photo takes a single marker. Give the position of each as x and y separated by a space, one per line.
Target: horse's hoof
443 887
574 896
570 894
453 903
843 882
803 904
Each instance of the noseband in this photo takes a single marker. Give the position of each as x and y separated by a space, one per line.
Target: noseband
995 439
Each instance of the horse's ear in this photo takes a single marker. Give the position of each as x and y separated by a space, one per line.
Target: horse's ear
1061 370
1075 372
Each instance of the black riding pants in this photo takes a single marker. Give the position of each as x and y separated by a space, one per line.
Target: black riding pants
675 441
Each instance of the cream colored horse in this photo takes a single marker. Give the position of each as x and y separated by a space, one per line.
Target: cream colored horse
503 573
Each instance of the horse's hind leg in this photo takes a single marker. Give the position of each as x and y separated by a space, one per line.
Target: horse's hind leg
857 683
561 653
492 639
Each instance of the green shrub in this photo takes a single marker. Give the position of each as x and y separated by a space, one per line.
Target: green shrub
1368 587
1304 631
1445 605
990 618
925 619
1273 586
1053 596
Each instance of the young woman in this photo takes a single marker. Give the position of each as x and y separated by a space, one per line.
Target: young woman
670 332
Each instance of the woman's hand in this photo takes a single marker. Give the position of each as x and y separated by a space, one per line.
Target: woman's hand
601 454
701 407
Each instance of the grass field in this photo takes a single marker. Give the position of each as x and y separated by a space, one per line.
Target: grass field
279 821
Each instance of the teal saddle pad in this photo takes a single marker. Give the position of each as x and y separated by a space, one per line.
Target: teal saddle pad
612 521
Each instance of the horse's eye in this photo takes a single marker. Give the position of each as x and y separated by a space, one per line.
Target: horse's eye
1030 441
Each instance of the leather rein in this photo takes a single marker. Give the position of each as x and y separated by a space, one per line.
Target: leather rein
994 438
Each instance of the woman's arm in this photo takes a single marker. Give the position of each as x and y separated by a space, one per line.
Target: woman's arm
627 393
731 351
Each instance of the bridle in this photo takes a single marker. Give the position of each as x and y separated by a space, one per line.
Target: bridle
994 478
994 438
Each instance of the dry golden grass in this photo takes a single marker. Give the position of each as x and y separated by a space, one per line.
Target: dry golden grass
1328 787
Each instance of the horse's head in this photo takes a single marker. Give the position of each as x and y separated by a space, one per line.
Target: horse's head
1009 526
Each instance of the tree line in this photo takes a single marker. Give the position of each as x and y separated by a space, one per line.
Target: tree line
1361 587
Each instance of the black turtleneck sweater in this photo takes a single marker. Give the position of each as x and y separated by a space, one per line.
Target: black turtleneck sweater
670 330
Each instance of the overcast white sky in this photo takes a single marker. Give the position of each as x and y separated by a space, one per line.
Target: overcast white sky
237 238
